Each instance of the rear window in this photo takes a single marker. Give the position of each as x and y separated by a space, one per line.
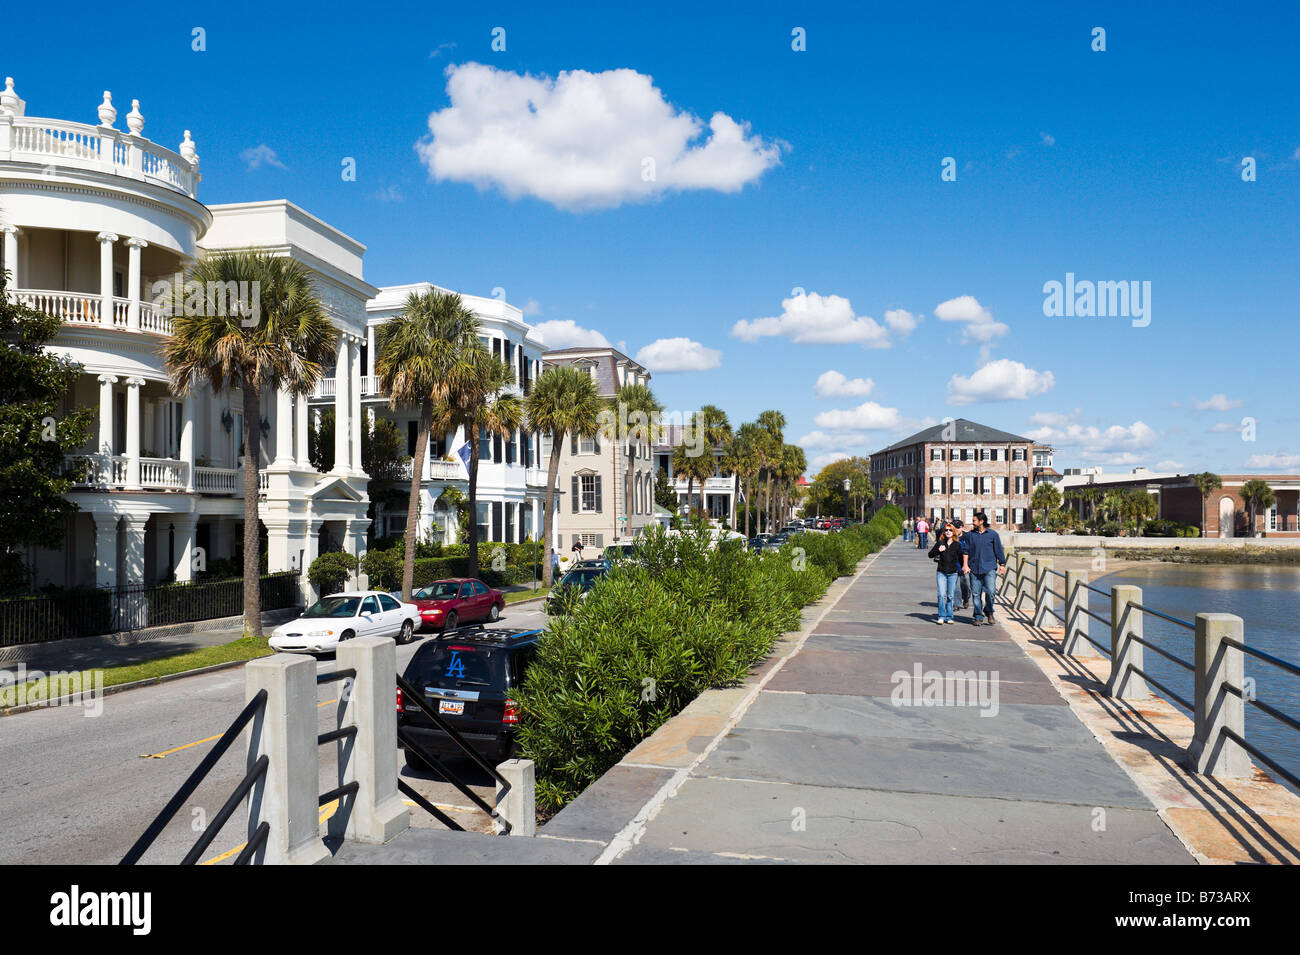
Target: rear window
455 665
582 579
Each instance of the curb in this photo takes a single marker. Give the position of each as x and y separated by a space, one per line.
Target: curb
122 687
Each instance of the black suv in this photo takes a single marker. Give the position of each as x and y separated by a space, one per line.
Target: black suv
582 576
466 677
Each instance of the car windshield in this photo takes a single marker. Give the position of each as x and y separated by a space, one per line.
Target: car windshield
442 590
582 579
459 664
334 607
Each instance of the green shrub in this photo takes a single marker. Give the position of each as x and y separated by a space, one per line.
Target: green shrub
383 567
329 572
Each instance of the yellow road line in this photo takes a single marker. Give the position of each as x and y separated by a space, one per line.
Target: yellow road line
177 749
326 811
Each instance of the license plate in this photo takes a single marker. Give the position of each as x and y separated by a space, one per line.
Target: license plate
451 707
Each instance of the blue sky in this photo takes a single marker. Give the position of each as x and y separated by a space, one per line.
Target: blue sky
1122 165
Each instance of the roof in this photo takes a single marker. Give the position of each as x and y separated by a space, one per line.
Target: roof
605 358
963 430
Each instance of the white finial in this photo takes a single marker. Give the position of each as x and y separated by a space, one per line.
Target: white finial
135 119
188 150
107 114
9 100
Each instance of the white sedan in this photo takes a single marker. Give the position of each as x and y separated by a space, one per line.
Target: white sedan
365 613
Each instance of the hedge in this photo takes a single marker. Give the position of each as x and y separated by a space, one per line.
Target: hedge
660 629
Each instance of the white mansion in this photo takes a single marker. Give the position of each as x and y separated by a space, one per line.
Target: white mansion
91 216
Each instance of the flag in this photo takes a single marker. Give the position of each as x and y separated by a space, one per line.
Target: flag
464 452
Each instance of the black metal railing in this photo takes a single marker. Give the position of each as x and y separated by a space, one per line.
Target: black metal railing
343 732
503 786
38 618
254 706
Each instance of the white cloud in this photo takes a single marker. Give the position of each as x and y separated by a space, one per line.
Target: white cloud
1001 380
820 461
978 324
678 354
1168 465
832 384
901 322
825 439
566 333
1052 418
1219 402
1047 138
581 140
1093 440
532 307
814 319
867 416
1289 463
261 155
390 194
1223 427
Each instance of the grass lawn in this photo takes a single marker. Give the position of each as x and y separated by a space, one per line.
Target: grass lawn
245 648
513 597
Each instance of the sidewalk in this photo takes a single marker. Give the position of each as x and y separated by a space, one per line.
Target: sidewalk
811 761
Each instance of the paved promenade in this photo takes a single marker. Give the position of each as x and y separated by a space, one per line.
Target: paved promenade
812 761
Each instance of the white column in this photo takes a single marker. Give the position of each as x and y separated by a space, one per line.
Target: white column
133 282
304 460
11 233
370 350
283 430
133 562
133 433
105 444
354 392
187 442
106 240
105 550
278 545
183 555
341 449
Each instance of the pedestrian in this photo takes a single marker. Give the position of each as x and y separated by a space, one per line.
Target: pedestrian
948 553
984 561
922 533
959 531
555 565
577 549
907 530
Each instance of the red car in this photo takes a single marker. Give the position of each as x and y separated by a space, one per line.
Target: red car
445 604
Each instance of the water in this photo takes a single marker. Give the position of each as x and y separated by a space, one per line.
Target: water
1266 598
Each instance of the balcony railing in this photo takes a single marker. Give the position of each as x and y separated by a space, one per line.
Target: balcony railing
438 470
56 142
711 484
86 309
110 472
535 477
328 387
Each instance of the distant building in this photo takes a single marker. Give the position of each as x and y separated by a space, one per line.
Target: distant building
958 468
717 496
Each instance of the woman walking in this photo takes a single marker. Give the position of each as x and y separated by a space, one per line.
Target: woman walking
948 553
963 577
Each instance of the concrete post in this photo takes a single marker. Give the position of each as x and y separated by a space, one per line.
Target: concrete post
1125 652
285 731
519 807
1218 666
1076 620
376 813
1042 599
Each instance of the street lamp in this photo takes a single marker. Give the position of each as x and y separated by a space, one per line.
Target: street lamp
846 500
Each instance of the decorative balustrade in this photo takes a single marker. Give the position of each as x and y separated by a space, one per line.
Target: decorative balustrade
328 387
84 308
112 472
56 142
165 474
535 477
216 480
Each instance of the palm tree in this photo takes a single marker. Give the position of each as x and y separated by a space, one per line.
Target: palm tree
696 466
1046 498
1207 482
420 354
479 403
286 349
792 465
773 422
1256 494
891 486
563 401
637 406
733 462
748 456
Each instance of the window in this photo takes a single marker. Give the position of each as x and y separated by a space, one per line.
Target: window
936 485
1018 454
1002 486
370 605
970 484
1020 515
999 515
482 519
484 445
412 430
936 454
985 485
986 454
479 588
586 445
1272 518
388 603
586 493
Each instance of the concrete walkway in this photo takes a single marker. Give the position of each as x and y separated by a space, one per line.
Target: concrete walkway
812 761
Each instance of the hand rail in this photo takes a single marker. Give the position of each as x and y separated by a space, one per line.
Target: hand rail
1262 655
251 709
245 785
1293 779
1163 616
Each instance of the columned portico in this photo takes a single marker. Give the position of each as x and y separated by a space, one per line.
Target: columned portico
105 443
133 386
354 396
106 240
11 233
133 526
341 448
133 282
105 550
284 425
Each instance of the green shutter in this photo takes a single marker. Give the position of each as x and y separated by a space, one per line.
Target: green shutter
575 494
598 506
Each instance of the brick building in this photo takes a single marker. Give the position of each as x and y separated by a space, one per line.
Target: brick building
958 468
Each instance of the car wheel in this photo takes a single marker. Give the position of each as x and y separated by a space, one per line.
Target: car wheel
407 634
451 621
494 614
346 635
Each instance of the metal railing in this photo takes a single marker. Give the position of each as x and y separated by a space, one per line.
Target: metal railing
258 770
410 693
1218 667
334 735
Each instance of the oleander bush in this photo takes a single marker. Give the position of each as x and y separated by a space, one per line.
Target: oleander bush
677 619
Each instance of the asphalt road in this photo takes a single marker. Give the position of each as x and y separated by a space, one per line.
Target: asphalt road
80 790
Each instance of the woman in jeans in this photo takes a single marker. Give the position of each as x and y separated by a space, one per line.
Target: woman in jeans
947 552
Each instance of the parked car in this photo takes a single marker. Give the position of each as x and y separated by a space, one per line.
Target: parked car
467 679
446 604
614 552
792 529
581 577
338 617
757 542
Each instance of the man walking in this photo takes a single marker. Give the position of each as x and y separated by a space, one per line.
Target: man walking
984 561
922 532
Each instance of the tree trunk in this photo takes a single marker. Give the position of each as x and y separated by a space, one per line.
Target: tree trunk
252 479
690 488
552 472
413 499
767 501
473 505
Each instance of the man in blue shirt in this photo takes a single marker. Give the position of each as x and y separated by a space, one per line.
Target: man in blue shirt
984 561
